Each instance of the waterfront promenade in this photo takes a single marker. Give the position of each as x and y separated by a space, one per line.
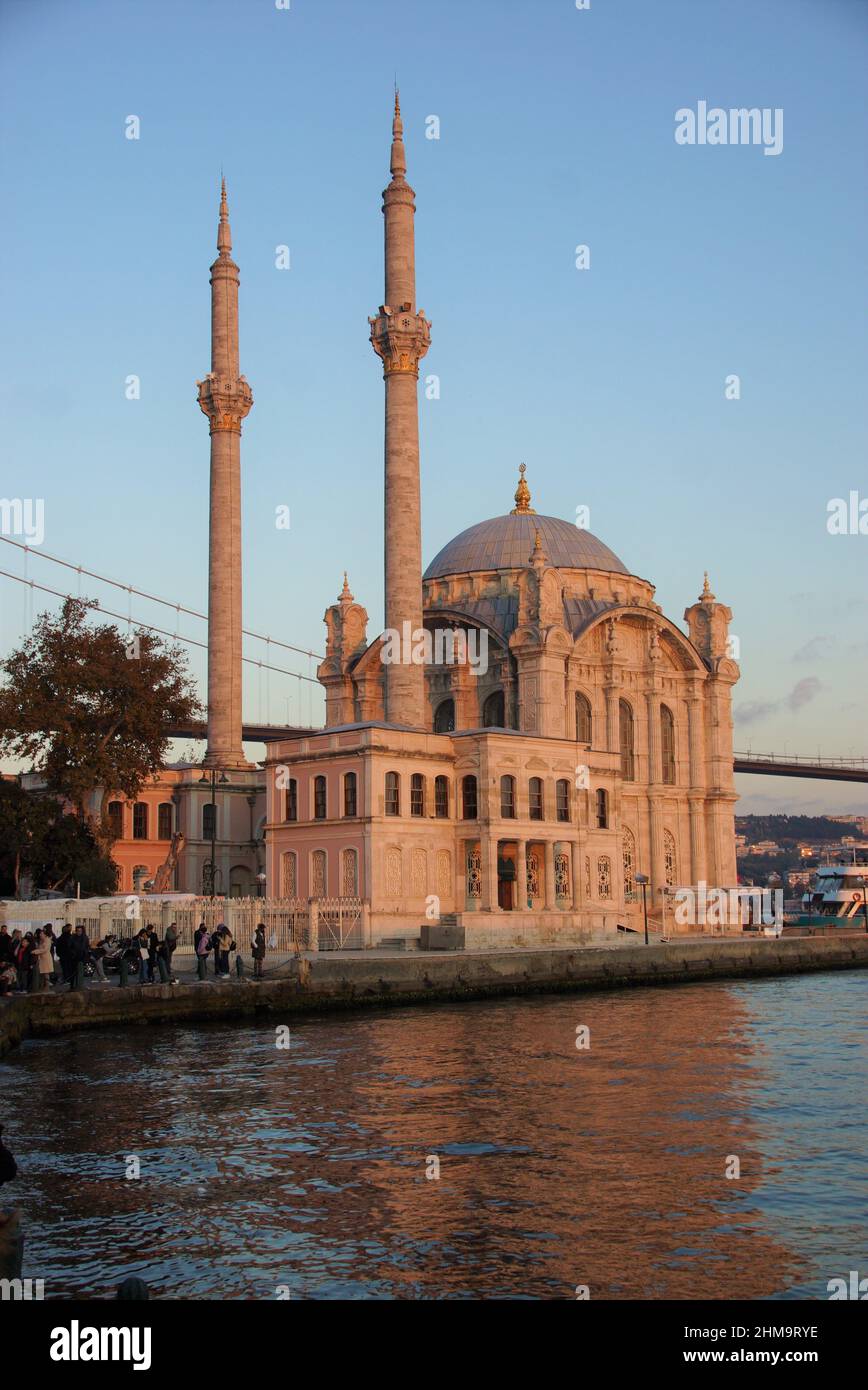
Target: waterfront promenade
352 980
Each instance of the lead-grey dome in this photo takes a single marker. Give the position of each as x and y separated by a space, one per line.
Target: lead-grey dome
506 542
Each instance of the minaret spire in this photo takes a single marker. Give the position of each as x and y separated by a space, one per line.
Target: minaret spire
401 337
225 397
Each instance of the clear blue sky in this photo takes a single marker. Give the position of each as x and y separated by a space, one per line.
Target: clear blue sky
556 129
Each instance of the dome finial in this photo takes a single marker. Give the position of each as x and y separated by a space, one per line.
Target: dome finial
706 588
522 495
345 596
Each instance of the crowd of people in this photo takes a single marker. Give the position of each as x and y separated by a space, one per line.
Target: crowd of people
31 961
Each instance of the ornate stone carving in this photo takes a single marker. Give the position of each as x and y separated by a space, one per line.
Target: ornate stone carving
401 339
225 402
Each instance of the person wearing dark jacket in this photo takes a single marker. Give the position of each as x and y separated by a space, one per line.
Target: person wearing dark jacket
5 944
202 946
23 961
170 941
153 947
258 951
79 952
63 951
214 944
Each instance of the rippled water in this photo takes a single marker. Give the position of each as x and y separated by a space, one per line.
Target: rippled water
306 1167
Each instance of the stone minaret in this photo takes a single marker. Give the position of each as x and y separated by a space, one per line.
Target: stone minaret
225 398
401 337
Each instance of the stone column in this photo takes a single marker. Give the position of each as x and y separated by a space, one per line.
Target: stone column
576 870
488 847
226 398
551 898
521 875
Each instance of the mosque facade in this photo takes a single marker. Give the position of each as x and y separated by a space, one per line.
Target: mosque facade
528 737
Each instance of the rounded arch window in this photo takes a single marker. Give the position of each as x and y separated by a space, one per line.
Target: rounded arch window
444 717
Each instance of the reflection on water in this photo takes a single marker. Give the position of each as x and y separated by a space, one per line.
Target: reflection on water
306 1168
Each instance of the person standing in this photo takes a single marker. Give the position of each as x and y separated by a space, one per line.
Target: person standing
79 951
48 930
202 945
63 950
141 944
215 947
153 947
5 944
170 941
258 951
41 959
22 960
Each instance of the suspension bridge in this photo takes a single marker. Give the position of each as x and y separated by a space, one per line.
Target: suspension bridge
835 769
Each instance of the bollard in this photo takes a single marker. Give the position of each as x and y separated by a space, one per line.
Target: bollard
124 972
201 967
239 967
79 975
164 973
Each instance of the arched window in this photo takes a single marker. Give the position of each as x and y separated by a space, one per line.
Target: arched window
417 794
320 801
292 799
562 797
441 797
535 798
602 809
165 818
140 820
628 847
289 874
116 819
507 798
667 744
625 729
468 798
209 821
350 794
444 717
670 861
349 873
318 872
493 712
584 722
393 798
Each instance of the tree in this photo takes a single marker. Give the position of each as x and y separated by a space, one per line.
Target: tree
92 710
24 821
56 850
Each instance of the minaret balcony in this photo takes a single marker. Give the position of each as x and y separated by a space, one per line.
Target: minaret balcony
401 338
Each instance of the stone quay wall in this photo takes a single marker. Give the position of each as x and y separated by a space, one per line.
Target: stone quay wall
330 982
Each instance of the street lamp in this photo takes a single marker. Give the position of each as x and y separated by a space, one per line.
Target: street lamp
643 879
261 881
210 775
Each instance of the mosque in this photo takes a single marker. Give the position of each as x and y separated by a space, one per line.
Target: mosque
519 797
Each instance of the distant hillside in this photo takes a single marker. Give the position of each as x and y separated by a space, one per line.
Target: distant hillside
786 829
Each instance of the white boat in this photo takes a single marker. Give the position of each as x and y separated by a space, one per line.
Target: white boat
840 894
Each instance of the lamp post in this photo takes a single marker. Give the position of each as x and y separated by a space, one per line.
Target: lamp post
210 775
643 879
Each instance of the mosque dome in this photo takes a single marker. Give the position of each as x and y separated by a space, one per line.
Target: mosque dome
506 542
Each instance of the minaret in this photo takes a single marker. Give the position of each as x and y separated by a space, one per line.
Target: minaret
401 337
225 398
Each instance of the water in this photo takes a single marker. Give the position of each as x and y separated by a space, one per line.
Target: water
305 1170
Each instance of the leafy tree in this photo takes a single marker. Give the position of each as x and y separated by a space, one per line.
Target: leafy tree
91 710
24 822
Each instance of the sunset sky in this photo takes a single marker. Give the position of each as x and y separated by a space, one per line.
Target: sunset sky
556 128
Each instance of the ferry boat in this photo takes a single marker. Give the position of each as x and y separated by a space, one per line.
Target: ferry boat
839 896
